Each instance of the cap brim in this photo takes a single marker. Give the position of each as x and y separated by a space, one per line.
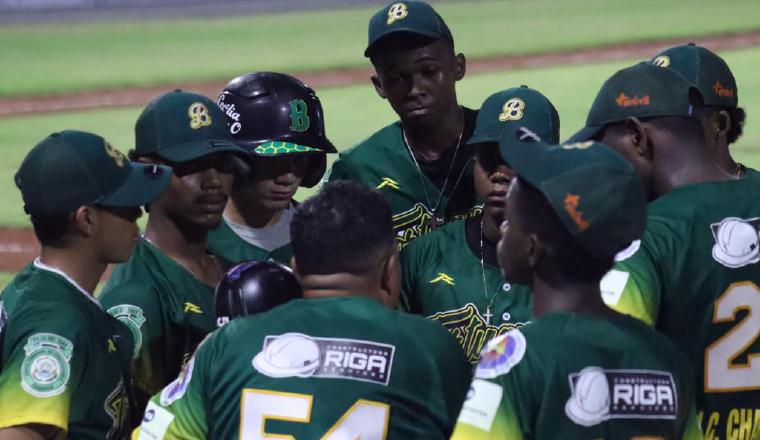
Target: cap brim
482 138
275 148
408 30
198 149
145 184
584 134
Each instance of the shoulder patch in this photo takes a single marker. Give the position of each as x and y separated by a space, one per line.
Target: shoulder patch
501 354
737 241
176 389
629 251
133 317
45 370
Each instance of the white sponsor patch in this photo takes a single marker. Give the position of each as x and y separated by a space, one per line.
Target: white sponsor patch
612 286
737 243
155 422
501 354
482 403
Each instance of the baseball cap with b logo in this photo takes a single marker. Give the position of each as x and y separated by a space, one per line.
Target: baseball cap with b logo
182 126
705 70
593 190
510 109
73 168
414 17
642 90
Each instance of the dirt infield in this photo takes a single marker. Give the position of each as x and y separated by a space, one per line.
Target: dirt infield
19 246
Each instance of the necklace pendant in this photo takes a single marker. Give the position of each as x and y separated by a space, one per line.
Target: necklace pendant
433 223
488 315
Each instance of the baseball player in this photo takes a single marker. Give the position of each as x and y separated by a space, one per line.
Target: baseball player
254 287
694 274
451 274
64 362
165 291
422 163
722 117
279 121
579 370
337 364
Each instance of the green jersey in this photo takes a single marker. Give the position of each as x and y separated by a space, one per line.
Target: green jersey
168 310
576 376
695 276
223 241
331 368
384 161
64 359
443 279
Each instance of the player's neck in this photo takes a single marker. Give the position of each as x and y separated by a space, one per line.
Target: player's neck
81 266
686 172
490 229
569 297
430 140
338 284
251 214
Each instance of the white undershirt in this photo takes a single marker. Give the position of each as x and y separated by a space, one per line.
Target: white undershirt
268 238
40 265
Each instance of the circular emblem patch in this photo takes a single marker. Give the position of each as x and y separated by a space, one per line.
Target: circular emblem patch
501 354
661 61
45 370
134 318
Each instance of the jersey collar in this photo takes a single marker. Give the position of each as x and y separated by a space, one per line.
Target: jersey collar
40 265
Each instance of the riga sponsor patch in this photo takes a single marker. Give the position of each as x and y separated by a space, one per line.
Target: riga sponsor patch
736 241
501 354
299 355
45 370
597 395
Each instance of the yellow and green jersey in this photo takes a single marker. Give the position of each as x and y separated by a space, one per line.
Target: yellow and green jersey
383 161
695 276
168 310
63 358
574 376
443 280
331 368
223 241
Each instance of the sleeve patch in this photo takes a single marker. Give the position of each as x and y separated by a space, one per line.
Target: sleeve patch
613 285
483 399
133 317
45 370
177 388
155 422
501 354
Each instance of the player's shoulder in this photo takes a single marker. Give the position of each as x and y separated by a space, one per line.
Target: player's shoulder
375 146
448 235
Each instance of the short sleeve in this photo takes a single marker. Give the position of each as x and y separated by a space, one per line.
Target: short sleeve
44 357
179 411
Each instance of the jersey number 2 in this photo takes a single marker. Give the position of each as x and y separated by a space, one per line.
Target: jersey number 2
365 419
722 374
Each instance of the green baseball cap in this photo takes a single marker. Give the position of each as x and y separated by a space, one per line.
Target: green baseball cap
181 126
705 70
414 17
594 191
507 110
73 168
642 90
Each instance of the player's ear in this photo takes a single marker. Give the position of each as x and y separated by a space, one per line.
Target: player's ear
84 220
722 123
378 86
460 66
639 138
536 251
390 280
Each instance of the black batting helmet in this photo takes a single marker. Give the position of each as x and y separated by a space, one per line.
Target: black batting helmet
271 113
254 287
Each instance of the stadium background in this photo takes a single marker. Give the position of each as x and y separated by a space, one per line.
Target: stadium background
95 65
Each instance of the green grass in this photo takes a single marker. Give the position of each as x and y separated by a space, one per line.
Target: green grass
59 58
5 278
353 113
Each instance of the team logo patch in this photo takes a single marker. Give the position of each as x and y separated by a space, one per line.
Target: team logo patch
299 116
45 370
624 100
177 388
722 90
199 115
661 61
134 318
396 12
597 395
501 354
736 241
117 156
571 207
299 355
513 110
233 117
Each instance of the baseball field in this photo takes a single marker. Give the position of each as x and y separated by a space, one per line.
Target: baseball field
97 76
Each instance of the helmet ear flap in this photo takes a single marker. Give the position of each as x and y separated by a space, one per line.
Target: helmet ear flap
316 169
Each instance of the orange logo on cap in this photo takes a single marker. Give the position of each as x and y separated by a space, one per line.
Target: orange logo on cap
571 206
720 90
625 101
